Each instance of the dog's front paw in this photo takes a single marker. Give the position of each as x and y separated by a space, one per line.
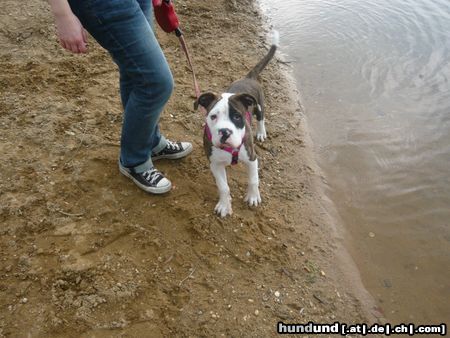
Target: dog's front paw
253 198
223 207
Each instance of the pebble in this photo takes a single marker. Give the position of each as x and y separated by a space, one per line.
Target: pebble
371 235
24 300
387 283
277 294
256 312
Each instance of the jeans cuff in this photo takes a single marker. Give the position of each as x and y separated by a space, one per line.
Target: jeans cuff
143 167
161 145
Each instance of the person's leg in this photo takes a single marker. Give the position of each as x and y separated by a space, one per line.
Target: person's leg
122 28
126 82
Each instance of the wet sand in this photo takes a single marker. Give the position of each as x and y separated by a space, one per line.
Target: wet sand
86 253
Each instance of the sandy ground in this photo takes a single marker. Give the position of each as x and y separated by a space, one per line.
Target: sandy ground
85 253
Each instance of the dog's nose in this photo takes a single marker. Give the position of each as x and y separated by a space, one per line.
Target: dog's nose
224 134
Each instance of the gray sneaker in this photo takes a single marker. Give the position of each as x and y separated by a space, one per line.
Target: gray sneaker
173 151
152 181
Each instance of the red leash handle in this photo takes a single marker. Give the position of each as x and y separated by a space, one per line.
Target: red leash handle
167 19
165 15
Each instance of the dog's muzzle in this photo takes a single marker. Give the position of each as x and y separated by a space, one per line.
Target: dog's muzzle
224 133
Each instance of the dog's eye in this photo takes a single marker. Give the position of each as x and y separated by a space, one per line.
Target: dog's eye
236 117
213 117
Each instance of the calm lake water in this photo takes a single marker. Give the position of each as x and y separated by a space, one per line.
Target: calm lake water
374 79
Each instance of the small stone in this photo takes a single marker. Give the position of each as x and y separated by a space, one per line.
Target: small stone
24 300
256 313
322 273
371 235
277 294
250 300
387 283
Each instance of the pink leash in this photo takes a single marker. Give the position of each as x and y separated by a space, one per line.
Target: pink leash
183 44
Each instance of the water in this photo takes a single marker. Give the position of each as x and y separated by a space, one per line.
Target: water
374 79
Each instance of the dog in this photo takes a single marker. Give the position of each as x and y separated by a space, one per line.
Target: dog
228 136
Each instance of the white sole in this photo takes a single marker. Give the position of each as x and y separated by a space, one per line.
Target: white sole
156 190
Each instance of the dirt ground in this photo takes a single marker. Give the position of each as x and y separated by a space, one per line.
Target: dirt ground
85 253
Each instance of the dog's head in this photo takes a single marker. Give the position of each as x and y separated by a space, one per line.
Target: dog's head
226 116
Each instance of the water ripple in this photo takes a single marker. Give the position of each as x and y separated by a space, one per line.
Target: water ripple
374 78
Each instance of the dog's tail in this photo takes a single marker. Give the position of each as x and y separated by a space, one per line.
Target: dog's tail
263 63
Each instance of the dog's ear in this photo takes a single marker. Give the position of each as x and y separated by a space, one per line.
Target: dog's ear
205 100
247 100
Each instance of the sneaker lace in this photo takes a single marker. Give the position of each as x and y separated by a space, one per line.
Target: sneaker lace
152 175
172 145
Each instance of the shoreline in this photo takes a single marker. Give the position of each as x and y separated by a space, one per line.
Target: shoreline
346 271
85 252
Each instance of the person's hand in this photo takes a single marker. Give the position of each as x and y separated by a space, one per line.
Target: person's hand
71 33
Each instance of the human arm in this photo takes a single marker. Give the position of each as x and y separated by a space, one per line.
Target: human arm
70 31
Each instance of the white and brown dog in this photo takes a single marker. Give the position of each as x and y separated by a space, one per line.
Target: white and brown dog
228 135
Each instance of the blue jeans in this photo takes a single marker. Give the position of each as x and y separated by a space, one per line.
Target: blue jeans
125 29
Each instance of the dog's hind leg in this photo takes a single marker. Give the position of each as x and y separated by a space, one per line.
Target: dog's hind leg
261 133
253 197
223 207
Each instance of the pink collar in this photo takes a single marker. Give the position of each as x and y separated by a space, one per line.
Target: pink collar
233 151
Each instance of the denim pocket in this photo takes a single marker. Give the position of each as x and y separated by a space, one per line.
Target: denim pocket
111 10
